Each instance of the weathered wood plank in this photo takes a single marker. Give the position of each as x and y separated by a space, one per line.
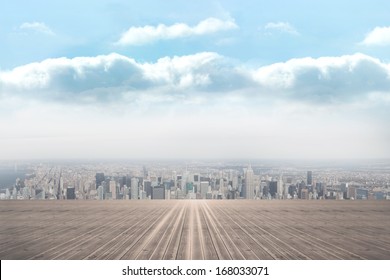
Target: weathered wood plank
200 229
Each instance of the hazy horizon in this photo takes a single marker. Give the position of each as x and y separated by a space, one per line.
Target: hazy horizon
286 162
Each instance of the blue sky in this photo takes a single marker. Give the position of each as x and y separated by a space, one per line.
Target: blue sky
87 28
209 79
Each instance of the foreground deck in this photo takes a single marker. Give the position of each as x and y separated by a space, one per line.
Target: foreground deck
183 229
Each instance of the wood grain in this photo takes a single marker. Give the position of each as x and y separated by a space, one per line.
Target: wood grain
194 229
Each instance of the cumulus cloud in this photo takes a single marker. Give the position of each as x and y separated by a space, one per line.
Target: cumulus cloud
196 78
148 34
37 27
283 27
115 76
326 79
379 36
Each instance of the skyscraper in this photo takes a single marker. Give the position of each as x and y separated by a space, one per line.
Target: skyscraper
280 187
148 188
250 188
309 178
134 188
70 193
113 189
99 179
273 188
204 188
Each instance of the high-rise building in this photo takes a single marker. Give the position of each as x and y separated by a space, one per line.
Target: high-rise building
309 178
204 188
250 188
292 190
280 187
301 186
189 188
235 183
304 194
319 189
273 188
125 192
243 188
70 193
361 193
100 192
265 187
113 189
167 194
134 188
196 178
60 187
158 192
99 179
148 188
122 181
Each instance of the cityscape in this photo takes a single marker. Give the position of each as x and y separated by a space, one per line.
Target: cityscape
196 180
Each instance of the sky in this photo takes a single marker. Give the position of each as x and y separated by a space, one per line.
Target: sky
195 80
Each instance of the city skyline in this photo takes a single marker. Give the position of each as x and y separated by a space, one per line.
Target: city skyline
193 180
255 80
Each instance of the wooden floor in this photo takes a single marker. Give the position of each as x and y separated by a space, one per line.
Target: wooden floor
197 229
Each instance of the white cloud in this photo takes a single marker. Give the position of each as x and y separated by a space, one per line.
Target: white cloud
203 76
326 79
37 27
109 77
284 27
148 34
379 36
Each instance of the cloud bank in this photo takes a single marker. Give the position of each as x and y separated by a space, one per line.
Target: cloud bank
326 79
115 78
149 34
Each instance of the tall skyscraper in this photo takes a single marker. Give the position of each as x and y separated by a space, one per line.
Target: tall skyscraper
99 179
204 188
273 188
280 187
113 189
148 188
134 188
250 188
309 178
